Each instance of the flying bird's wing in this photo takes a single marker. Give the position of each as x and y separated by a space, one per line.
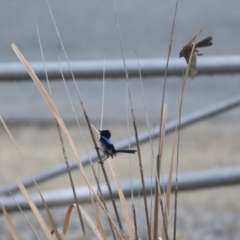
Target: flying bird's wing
186 52
193 66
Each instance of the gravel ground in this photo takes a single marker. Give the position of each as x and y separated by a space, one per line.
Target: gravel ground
204 214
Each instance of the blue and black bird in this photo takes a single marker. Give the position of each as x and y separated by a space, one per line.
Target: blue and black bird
107 147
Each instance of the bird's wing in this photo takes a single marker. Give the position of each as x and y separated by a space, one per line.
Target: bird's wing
108 148
101 146
193 66
186 54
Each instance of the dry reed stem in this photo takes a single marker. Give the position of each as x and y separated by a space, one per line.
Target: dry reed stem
92 225
30 225
178 128
169 185
68 216
83 108
165 77
10 225
141 174
59 131
70 178
122 200
103 202
93 169
61 123
150 137
63 237
35 211
103 169
135 221
159 159
86 216
134 124
98 220
25 162
158 168
50 217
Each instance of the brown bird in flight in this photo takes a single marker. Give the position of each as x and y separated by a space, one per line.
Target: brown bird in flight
186 52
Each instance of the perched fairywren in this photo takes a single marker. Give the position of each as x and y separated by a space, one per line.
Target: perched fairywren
107 147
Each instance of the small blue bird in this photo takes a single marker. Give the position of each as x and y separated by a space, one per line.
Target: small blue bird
106 146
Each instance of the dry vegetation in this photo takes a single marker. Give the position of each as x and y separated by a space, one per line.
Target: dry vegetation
124 226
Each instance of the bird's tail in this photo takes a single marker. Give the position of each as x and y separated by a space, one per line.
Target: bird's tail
206 42
126 151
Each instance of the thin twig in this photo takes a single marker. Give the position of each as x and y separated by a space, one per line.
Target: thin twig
178 129
103 95
61 139
64 129
135 222
148 125
135 126
158 196
93 169
104 171
163 98
71 180
152 162
86 118
30 225
42 222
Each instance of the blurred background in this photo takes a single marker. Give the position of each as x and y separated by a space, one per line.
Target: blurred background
89 32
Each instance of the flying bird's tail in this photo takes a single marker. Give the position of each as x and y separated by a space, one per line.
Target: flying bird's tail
206 42
126 151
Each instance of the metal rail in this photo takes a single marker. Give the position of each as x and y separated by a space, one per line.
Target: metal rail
186 182
143 137
115 68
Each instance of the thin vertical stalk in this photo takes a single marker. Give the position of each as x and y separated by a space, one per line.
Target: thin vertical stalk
103 169
142 175
159 157
61 141
86 117
135 222
178 129
30 225
93 169
135 127
158 197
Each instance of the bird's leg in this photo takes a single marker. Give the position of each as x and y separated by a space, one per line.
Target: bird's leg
198 53
101 161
